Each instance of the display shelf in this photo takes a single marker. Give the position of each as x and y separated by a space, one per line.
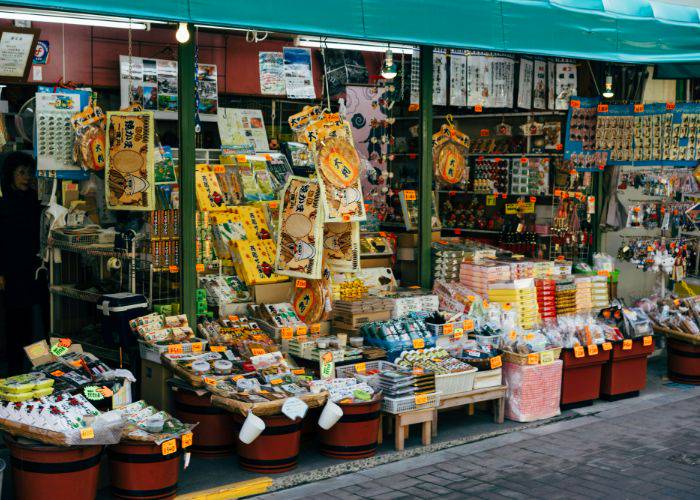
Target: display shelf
97 250
73 293
466 230
519 155
491 115
456 192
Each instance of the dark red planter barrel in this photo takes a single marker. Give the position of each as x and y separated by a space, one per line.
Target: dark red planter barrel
216 434
683 362
626 372
581 376
275 450
140 470
41 472
355 434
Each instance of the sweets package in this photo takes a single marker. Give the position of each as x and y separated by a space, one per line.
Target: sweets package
254 262
89 148
341 244
450 150
254 223
129 169
312 299
299 243
210 197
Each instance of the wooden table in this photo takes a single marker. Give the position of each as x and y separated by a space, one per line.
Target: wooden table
401 422
495 394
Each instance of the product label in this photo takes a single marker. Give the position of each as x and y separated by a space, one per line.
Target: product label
169 447
627 345
647 341
186 440
496 362
421 399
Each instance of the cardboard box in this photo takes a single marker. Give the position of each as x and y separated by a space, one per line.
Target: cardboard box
272 293
39 352
154 387
353 321
367 262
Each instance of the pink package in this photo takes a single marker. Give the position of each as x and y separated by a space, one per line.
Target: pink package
534 391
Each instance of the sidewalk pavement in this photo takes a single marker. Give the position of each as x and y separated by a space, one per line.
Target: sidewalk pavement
639 448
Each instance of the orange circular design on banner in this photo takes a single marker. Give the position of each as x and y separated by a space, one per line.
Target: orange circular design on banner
339 162
451 164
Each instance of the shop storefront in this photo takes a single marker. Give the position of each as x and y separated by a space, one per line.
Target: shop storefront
268 239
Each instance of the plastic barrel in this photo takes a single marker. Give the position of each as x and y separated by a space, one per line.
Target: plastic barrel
215 435
355 434
41 471
683 362
140 470
275 450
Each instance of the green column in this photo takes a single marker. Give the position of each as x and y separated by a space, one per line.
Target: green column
186 115
425 175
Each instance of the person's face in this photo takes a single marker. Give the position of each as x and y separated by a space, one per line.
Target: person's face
22 179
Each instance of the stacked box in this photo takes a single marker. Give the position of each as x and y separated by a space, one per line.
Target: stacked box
546 298
566 298
522 296
583 294
599 293
478 276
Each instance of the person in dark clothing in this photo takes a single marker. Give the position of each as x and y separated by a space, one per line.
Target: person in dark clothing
24 296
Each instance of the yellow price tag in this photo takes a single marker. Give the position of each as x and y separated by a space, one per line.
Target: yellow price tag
197 347
298 371
418 343
257 351
87 433
409 194
421 399
360 367
186 440
627 345
458 332
468 324
169 447
175 349
546 357
579 352
287 333
199 268
592 350
277 381
496 362
533 359
607 346
217 348
447 328
647 341
302 331
316 328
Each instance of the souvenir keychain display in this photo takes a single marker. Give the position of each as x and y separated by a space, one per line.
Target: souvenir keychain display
669 182
667 255
450 151
490 175
659 215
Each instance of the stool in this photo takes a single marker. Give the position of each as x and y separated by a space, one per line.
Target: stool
403 420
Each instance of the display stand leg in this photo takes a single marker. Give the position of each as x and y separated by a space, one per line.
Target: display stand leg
470 410
499 406
425 438
399 437
435 421
380 433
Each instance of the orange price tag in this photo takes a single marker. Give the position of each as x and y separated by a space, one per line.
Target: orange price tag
277 381
592 350
346 217
421 399
478 108
533 199
670 105
607 346
217 348
410 195
602 108
458 231
647 341
579 352
219 169
559 147
197 347
447 329
575 103
237 377
65 342
557 192
175 349
87 433
417 370
639 108
301 283
199 268
468 324
533 359
627 344
418 343
173 269
302 331
298 371
257 351
484 132
209 381
316 328
186 440
606 274
274 205
360 367
169 447
496 362
240 158
286 333
57 373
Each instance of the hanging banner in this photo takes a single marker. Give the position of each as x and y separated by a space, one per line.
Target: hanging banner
298 76
129 169
478 81
242 127
566 84
439 78
539 92
551 84
458 78
414 100
502 87
525 84
271 66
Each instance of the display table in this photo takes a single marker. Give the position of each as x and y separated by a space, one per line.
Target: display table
581 375
401 421
626 372
495 394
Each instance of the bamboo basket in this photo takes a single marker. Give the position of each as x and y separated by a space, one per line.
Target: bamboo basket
678 335
522 359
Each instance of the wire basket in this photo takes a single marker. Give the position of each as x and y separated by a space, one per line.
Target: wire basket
409 403
455 383
372 380
76 239
152 352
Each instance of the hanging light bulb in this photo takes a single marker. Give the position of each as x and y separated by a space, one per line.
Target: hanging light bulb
389 69
608 91
182 34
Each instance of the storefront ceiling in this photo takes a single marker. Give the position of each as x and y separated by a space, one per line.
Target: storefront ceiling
637 31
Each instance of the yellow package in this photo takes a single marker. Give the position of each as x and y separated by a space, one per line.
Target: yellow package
209 195
253 220
255 263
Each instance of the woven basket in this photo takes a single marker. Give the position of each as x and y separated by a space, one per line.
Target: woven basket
522 359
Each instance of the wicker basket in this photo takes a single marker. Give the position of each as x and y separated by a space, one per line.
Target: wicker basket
525 359
408 403
455 383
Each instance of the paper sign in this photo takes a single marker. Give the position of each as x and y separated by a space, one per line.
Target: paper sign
418 343
186 440
496 362
294 408
546 357
627 344
316 328
647 341
607 346
87 433
421 399
592 350
468 324
302 331
92 393
447 329
286 333
217 348
327 365
175 349
579 352
360 367
533 359
169 447
58 350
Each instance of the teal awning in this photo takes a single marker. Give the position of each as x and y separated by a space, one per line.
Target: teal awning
637 31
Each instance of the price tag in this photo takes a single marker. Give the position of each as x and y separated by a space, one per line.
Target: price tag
533 359
639 108
87 433
447 329
186 440
287 333
418 343
240 158
592 350
468 324
259 338
546 357
209 381
575 103
559 147
410 195
217 348
627 345
173 269
237 377
484 132
199 268
65 342
360 367
274 205
169 447
421 399
670 105
257 351
417 371
58 350
458 333
316 328
458 231
602 108
523 160
557 192
606 274
647 341
57 373
219 169
197 347
579 352
478 108
302 331
607 346
277 381
301 283
298 371
513 335
496 362
533 199
175 349
490 200
346 217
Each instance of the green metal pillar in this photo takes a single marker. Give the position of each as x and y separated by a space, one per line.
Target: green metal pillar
186 120
425 175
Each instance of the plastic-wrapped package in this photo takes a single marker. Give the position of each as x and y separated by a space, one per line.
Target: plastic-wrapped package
637 323
533 391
